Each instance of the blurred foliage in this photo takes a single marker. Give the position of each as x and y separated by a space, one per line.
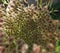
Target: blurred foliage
58 46
58 49
56 6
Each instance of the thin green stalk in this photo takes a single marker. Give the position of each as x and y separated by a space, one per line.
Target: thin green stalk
41 3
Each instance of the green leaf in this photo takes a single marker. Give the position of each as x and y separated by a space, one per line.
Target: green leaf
58 49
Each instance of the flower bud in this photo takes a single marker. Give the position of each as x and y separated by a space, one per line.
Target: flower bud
24 48
36 48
